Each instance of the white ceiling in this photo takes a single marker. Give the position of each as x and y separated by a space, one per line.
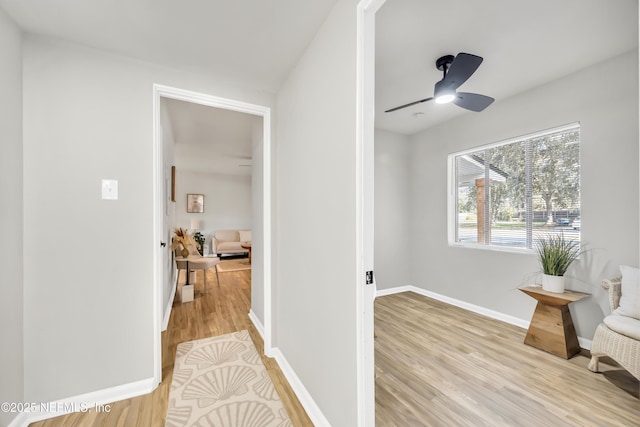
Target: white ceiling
256 43
524 44
211 140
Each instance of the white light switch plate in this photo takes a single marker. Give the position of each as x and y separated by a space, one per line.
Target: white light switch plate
109 189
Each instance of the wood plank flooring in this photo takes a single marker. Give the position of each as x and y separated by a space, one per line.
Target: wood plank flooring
436 365
439 365
221 311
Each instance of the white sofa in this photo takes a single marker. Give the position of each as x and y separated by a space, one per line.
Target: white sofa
229 241
618 336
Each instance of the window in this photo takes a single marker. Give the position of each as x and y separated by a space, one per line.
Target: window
507 194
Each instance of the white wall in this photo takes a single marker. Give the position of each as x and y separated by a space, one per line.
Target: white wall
88 262
393 233
227 200
604 99
11 250
316 218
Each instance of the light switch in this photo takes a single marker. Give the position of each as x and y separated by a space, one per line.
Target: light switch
109 189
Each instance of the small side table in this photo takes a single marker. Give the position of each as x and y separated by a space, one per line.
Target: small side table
247 245
551 327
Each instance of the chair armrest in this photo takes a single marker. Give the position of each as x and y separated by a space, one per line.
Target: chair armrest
614 286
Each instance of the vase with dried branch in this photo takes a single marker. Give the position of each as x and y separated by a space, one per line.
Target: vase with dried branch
183 239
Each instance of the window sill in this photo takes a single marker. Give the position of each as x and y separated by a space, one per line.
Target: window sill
493 248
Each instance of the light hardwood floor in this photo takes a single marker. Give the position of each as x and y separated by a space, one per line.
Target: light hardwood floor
436 365
221 311
439 365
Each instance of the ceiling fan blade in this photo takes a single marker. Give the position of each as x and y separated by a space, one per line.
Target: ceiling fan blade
472 101
462 67
409 104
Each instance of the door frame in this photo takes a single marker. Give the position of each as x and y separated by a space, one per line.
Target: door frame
365 130
161 91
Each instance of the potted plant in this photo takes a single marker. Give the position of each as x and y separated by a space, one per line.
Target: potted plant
199 238
555 255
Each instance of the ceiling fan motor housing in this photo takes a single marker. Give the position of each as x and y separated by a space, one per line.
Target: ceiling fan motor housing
444 61
442 88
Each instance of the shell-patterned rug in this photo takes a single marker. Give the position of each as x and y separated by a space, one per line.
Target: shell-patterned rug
221 382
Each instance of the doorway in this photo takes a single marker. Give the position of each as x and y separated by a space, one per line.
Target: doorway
260 313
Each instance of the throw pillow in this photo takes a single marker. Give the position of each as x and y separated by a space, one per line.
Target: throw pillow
630 299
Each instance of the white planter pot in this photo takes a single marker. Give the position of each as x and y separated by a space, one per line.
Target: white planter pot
553 283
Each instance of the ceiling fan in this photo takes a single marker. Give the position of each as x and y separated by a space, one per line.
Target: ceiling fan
456 71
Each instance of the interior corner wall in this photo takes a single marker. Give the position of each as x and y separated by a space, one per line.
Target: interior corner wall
11 250
604 99
392 210
316 218
88 281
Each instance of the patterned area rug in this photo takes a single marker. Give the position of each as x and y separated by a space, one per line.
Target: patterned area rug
221 382
234 265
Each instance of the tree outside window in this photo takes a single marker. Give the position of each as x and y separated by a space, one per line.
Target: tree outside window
508 193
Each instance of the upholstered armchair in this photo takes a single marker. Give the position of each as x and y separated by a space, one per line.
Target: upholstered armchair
618 336
195 261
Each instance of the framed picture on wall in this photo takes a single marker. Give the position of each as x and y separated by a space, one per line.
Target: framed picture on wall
195 203
173 183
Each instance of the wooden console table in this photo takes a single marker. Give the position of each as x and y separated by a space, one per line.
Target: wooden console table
551 327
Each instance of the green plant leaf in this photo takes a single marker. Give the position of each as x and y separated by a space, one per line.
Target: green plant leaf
555 253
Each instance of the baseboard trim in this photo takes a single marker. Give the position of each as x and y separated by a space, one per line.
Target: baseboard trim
98 400
396 290
585 343
299 389
524 324
458 303
256 322
167 310
20 421
309 405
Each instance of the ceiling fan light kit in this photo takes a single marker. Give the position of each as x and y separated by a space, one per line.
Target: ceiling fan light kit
456 70
444 96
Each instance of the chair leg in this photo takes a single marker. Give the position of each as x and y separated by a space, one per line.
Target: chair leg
217 277
593 364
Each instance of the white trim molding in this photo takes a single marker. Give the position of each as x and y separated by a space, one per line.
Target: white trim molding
309 405
524 324
364 168
167 310
160 91
98 400
257 323
458 303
